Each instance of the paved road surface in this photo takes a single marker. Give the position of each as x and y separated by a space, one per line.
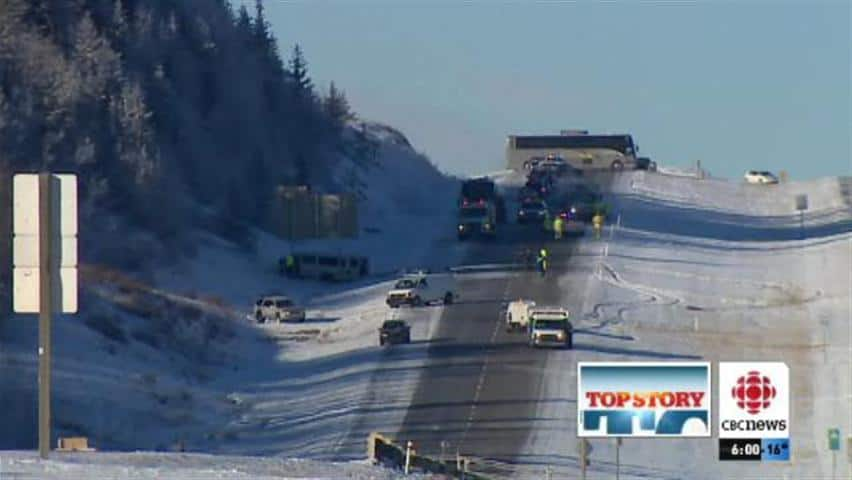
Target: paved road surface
483 386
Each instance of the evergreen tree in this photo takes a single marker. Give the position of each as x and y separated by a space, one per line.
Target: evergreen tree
120 26
244 26
298 69
97 63
336 107
261 26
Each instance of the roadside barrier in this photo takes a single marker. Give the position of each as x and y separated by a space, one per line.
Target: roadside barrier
382 450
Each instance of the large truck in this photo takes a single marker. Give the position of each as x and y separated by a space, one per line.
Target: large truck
550 327
475 190
477 219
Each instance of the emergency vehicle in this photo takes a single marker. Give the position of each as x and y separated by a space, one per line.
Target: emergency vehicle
550 327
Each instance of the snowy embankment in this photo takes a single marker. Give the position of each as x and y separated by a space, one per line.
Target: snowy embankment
154 466
716 271
170 361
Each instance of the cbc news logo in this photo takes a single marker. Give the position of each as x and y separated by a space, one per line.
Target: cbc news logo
754 400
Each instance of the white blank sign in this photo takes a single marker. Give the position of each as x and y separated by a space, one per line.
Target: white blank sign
25 243
27 289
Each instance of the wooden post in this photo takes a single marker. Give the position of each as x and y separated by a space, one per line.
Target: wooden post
45 310
617 458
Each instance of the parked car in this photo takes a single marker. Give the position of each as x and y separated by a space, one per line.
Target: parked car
393 332
532 162
278 308
542 184
532 211
581 204
645 163
761 177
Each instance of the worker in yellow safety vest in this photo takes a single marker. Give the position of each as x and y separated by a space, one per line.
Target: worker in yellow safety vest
289 265
542 261
558 227
597 224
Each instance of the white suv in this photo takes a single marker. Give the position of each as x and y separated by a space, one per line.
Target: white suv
278 308
760 177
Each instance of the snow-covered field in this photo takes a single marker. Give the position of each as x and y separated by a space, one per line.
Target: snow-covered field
679 280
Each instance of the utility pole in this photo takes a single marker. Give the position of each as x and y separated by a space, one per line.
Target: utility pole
45 243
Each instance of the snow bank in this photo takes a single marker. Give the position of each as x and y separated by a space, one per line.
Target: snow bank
152 466
825 195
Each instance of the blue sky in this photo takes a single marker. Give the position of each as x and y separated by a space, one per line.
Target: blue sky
737 85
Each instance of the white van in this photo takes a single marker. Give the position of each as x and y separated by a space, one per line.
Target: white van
329 268
423 288
518 315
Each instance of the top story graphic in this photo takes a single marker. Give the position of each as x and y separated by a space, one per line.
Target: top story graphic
643 399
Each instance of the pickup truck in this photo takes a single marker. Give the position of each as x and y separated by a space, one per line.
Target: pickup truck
419 289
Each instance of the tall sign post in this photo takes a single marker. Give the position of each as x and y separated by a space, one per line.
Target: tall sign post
584 449
834 446
801 206
44 247
617 458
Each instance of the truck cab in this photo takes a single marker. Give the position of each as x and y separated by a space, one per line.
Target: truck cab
550 327
477 219
483 189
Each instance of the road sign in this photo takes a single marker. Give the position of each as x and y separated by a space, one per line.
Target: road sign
26 245
801 202
834 439
44 210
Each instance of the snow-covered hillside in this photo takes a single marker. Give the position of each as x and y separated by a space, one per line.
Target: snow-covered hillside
169 361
